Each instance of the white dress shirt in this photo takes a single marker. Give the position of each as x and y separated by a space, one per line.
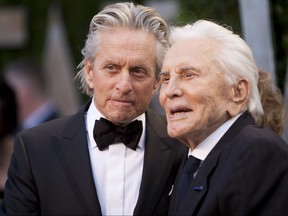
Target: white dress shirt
205 147
117 170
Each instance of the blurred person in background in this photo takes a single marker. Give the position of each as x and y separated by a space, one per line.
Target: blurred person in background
26 78
114 156
273 104
8 124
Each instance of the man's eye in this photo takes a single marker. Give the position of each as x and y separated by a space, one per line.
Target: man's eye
111 68
164 79
189 74
138 71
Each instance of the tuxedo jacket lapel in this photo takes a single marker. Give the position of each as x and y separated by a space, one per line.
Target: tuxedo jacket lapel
158 162
72 149
198 188
173 201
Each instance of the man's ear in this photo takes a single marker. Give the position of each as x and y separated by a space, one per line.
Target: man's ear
239 97
89 73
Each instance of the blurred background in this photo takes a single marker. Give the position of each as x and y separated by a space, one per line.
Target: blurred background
52 33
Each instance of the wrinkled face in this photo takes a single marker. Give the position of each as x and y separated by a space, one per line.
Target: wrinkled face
193 91
123 74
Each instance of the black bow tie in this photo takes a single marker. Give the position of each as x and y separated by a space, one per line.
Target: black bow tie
106 133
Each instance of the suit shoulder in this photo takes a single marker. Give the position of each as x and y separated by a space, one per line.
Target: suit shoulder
66 124
259 142
254 133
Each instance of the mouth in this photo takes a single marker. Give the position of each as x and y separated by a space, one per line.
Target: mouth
122 101
179 111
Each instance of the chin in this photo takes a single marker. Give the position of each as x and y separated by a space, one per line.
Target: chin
124 117
173 133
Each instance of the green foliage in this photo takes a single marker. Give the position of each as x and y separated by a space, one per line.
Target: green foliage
77 17
36 23
279 11
222 13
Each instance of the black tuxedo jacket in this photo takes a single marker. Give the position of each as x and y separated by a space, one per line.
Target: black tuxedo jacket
246 173
50 171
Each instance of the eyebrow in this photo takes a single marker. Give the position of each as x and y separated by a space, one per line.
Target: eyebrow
188 68
180 70
162 73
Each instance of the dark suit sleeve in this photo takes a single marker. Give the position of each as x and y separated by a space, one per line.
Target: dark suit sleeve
258 180
20 189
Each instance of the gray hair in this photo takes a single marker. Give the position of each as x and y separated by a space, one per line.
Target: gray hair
234 56
130 15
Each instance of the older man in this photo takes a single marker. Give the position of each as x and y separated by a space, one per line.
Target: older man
209 92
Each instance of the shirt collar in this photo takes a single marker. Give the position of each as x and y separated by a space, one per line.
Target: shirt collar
203 149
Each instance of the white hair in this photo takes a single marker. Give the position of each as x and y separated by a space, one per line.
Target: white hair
233 55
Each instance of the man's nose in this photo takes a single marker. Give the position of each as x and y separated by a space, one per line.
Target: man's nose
124 83
173 89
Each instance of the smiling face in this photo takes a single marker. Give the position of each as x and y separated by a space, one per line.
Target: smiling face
123 74
193 91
